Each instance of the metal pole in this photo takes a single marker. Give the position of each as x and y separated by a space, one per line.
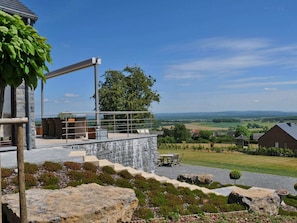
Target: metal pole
28 114
42 99
21 175
96 96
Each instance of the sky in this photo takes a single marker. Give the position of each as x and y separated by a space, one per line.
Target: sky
206 55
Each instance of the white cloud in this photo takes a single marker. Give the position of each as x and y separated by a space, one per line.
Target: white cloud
222 56
70 95
270 89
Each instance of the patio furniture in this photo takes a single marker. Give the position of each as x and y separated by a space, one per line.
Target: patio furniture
168 159
44 123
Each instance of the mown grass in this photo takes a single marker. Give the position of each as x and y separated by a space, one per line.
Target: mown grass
282 166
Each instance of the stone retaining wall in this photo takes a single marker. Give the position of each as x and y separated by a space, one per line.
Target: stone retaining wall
138 152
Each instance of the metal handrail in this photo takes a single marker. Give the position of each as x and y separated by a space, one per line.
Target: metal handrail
85 123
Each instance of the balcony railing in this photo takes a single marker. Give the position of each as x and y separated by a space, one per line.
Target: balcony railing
88 125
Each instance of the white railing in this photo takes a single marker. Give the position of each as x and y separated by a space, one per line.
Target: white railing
71 125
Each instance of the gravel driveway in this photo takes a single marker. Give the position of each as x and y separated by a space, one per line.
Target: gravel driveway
222 176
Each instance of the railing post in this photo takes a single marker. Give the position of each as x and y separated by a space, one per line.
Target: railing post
20 161
21 174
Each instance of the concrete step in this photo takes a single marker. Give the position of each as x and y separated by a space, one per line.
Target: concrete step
91 159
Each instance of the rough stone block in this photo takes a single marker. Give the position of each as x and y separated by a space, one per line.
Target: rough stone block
196 178
258 200
83 204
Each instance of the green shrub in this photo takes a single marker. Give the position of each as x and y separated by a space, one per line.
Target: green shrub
121 182
165 211
190 199
209 208
30 180
72 165
90 166
291 200
173 200
194 209
157 198
106 178
4 184
30 168
170 188
74 183
6 172
141 197
90 177
141 184
52 166
236 207
49 179
75 175
51 187
234 175
108 170
144 213
139 177
153 184
125 174
287 213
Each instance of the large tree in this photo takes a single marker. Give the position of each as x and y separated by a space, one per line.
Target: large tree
23 54
127 90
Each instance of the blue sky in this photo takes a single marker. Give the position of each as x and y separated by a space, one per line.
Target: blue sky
206 55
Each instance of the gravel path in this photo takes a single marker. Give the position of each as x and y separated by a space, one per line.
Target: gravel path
222 176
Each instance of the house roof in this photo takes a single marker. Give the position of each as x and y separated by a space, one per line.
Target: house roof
15 7
289 128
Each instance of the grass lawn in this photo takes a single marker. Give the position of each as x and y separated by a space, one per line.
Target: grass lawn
283 166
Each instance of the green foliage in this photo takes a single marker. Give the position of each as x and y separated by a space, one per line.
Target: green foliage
141 184
108 170
90 177
52 166
48 179
153 184
30 168
125 174
30 180
75 175
291 200
144 213
141 197
170 188
123 183
106 178
51 187
90 166
24 53
4 184
287 213
72 165
127 90
242 130
157 198
194 209
181 133
6 172
235 175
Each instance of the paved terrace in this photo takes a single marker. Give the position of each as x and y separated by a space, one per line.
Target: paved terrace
49 149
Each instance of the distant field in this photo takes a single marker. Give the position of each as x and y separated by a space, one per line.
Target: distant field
233 160
225 125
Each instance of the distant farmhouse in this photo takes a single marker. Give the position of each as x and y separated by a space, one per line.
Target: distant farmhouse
282 135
